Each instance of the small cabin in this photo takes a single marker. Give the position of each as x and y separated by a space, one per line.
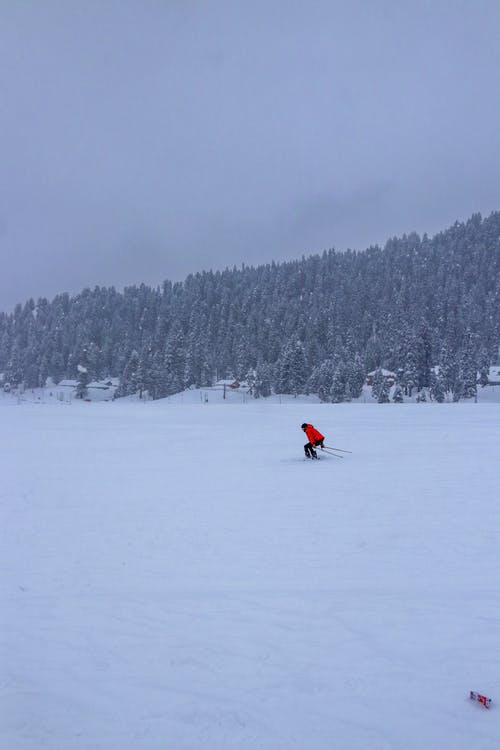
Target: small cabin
389 376
494 375
230 383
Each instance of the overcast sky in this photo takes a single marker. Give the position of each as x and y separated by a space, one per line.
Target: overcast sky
147 139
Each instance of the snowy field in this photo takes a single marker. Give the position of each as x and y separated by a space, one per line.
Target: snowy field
176 577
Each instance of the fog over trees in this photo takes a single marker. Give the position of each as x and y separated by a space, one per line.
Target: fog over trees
428 309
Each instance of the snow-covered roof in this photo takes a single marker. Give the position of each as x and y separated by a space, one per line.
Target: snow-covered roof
494 375
386 373
102 384
106 383
234 383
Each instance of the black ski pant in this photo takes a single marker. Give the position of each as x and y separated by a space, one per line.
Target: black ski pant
310 448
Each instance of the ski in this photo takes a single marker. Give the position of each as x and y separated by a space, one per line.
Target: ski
486 702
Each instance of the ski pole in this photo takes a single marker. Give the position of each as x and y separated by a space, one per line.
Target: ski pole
330 452
337 449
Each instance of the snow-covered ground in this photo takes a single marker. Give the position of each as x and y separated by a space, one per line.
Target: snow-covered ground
65 391
176 577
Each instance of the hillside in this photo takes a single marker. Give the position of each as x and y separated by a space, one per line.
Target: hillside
317 325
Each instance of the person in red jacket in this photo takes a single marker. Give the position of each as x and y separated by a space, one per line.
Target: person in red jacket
315 438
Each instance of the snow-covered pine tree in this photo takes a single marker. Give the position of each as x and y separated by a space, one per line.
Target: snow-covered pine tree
377 383
355 376
43 372
156 383
410 373
143 372
339 382
373 352
398 396
380 387
94 360
449 372
384 391
468 366
321 379
291 369
56 366
175 361
83 377
423 351
264 376
483 367
14 369
129 379
437 389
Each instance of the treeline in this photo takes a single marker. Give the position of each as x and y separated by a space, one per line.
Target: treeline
313 325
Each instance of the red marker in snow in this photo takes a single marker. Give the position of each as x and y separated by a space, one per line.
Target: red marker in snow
480 699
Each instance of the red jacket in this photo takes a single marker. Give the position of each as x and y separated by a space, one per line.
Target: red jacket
313 434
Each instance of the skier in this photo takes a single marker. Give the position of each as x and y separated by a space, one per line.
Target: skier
315 438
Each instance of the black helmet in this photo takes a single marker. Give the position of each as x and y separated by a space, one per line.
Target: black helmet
303 426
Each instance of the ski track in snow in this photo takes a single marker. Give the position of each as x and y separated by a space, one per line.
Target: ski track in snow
176 577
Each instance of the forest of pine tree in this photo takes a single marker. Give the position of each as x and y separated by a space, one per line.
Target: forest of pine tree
428 309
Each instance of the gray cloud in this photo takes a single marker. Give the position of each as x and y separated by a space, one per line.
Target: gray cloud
146 140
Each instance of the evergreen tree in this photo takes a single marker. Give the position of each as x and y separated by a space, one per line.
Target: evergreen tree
156 383
468 367
339 383
175 362
398 396
438 389
374 352
14 370
128 381
356 376
94 360
423 356
264 377
321 380
449 372
83 378
484 367
378 384
56 366
144 373
291 369
383 393
410 373
43 373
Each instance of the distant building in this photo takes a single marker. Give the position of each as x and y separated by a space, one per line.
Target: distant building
230 384
67 384
97 390
494 375
233 384
388 375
